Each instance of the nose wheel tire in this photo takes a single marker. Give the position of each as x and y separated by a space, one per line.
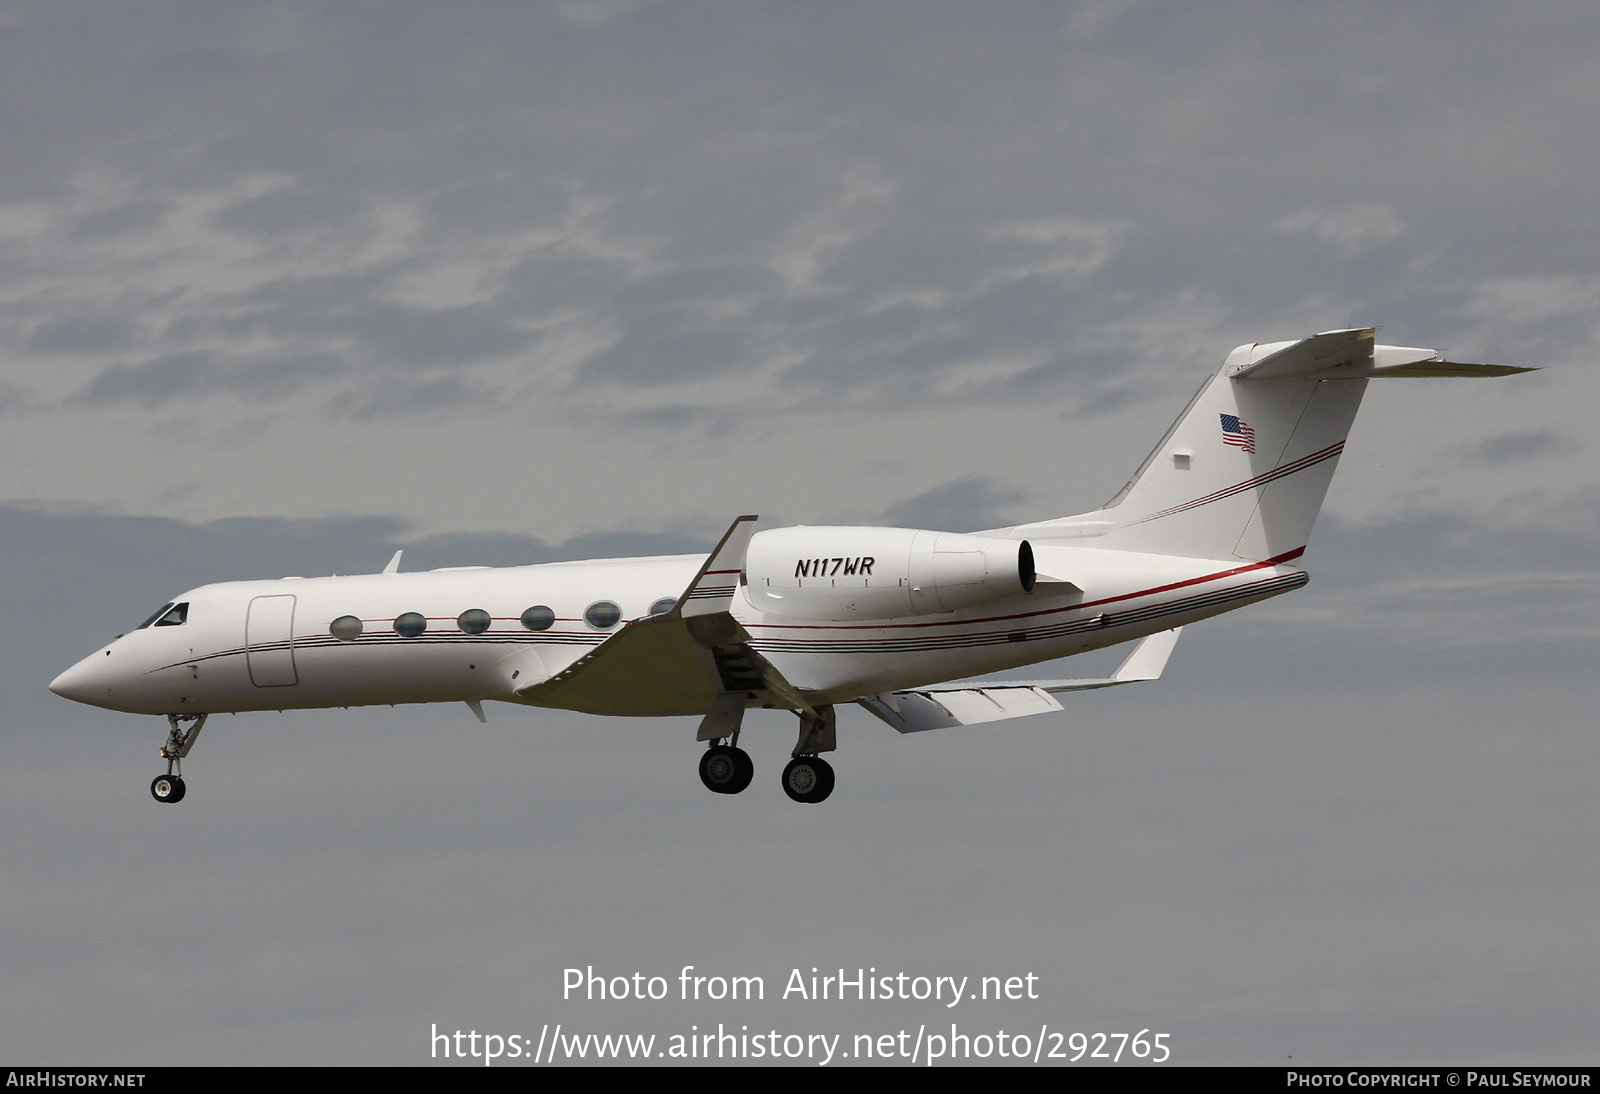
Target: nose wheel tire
168 789
808 779
726 770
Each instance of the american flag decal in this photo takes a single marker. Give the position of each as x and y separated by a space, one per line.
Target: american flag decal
1238 434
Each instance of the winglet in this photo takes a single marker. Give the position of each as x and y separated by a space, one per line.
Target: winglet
394 563
713 587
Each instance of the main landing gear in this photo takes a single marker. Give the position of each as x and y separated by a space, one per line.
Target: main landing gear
725 768
808 777
169 788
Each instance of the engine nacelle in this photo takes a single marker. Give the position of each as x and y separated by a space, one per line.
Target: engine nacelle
882 573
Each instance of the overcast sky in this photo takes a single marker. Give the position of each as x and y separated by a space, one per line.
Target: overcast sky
286 286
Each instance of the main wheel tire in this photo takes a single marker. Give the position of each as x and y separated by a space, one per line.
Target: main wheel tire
167 789
808 779
825 783
720 770
747 771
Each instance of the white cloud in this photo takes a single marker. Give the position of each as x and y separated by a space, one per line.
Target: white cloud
1532 299
1350 230
1067 249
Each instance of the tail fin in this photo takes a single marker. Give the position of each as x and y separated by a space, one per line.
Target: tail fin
1244 470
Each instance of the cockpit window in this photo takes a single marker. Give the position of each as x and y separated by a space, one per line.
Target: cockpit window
161 611
177 617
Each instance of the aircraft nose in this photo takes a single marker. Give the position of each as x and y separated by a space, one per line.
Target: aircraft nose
82 683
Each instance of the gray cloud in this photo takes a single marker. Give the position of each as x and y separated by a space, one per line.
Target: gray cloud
961 506
668 355
547 282
786 253
187 376
86 334
160 379
340 309
1523 446
435 397
122 219
291 210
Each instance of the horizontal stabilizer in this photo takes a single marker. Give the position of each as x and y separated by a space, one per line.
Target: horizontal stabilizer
1349 354
972 702
1328 353
1437 367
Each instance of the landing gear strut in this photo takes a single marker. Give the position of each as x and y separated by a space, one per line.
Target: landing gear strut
808 777
725 768
169 788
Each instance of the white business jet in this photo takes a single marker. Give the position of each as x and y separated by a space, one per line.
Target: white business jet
896 620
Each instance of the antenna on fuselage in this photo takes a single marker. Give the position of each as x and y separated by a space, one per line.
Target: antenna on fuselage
394 563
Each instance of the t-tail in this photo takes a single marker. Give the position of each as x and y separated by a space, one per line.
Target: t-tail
1243 471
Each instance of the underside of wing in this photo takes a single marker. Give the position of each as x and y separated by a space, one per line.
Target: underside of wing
972 702
666 665
1459 369
650 667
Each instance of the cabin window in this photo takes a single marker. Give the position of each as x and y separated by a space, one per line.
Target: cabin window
473 621
161 611
602 615
663 606
177 616
538 618
410 625
347 628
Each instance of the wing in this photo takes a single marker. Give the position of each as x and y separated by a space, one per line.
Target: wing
969 702
678 662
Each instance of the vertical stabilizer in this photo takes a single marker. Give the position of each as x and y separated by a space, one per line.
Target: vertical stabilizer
1244 470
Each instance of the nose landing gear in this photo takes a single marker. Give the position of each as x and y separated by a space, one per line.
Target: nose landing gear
169 789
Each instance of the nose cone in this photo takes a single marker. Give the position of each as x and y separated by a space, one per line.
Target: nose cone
85 682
